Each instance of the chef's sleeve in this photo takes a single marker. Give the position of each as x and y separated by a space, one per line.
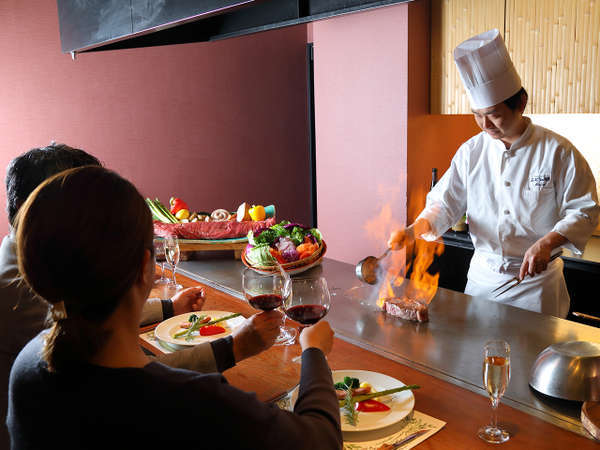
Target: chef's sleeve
577 200
447 201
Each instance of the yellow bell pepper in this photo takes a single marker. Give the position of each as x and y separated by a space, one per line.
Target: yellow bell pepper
257 213
182 214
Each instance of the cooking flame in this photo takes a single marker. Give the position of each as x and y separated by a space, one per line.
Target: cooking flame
422 285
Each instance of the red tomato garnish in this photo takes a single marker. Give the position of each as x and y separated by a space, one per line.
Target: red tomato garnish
210 330
371 406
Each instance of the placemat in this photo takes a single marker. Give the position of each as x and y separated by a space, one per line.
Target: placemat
161 347
373 440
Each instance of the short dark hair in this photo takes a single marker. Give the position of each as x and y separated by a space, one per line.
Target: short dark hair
515 101
29 170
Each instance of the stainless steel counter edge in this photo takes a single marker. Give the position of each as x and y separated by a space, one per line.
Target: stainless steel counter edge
448 347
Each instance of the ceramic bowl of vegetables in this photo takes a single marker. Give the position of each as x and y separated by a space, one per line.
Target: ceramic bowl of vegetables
293 246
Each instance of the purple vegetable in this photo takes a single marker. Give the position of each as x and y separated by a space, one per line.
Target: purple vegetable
312 238
287 249
295 224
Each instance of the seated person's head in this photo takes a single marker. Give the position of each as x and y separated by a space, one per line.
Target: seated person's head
84 239
27 171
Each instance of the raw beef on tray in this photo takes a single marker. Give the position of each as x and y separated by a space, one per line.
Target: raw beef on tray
226 229
406 308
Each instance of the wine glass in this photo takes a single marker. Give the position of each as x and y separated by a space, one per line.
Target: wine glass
496 375
309 302
172 254
267 292
161 281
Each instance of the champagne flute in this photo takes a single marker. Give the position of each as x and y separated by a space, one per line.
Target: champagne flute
172 254
309 302
496 375
267 292
161 282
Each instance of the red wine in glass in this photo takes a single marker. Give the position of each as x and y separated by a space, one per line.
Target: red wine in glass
265 302
306 314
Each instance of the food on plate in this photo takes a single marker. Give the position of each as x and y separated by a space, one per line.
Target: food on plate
193 319
199 322
284 242
371 406
211 330
353 402
406 308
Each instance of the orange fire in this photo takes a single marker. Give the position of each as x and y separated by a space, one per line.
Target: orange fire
422 285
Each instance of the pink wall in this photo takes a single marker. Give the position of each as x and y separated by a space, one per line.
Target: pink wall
361 87
215 123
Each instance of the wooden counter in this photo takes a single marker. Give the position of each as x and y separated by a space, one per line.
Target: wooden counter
464 411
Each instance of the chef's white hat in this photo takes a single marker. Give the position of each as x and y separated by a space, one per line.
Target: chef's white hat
486 69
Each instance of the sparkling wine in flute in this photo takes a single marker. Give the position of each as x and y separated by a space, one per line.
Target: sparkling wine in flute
496 375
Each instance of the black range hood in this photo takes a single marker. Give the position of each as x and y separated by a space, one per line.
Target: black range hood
93 25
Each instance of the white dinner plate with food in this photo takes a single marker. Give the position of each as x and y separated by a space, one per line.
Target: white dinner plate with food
401 403
166 330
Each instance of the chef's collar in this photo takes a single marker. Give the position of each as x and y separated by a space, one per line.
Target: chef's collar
521 140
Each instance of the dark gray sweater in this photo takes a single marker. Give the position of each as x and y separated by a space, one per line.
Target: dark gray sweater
158 407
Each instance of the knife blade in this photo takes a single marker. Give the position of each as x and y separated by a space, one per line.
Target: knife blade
401 442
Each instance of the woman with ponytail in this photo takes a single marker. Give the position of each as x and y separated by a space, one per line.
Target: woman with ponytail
86 383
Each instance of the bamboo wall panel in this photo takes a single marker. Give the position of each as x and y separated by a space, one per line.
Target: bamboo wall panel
452 22
554 46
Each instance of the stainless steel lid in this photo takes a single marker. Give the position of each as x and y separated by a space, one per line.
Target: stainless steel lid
568 370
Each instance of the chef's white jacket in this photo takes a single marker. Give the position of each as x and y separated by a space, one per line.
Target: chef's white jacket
512 197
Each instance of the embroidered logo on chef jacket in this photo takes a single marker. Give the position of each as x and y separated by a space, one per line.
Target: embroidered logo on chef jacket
538 182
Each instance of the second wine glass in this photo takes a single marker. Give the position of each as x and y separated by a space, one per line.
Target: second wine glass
309 302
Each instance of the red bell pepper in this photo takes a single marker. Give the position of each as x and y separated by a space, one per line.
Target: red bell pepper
211 330
371 406
176 204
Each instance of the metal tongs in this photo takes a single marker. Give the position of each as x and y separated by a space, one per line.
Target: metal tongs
516 280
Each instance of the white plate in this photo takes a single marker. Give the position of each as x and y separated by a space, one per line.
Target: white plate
167 328
401 403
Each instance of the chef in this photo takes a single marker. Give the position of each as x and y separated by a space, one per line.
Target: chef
526 190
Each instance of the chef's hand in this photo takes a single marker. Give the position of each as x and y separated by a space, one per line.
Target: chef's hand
319 336
256 334
405 237
399 239
187 300
535 260
538 256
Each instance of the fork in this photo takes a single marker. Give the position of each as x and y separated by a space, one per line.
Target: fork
516 280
